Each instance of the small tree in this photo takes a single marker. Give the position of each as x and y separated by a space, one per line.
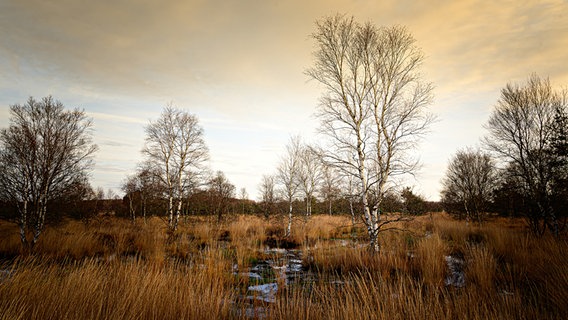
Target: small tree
45 151
243 194
329 187
131 188
151 188
220 191
310 172
413 204
267 194
288 176
175 151
350 192
469 183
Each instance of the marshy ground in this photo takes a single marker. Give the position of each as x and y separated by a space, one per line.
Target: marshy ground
244 267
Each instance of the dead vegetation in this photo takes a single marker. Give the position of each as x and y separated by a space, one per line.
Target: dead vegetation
120 270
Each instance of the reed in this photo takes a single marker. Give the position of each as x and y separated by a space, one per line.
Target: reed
118 270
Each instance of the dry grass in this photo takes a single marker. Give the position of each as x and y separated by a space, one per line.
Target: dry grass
92 289
118 270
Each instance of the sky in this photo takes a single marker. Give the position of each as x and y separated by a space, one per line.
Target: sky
239 67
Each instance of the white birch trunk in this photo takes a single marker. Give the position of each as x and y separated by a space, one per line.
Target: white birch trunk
289 228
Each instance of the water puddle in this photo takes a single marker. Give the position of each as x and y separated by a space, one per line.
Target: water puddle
284 267
264 292
456 274
5 275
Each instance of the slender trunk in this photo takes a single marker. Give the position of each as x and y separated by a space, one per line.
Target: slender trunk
178 211
40 213
289 229
374 236
375 219
547 213
131 207
467 214
144 209
352 210
23 223
171 212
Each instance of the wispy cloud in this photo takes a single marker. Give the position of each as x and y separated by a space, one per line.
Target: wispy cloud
117 118
239 64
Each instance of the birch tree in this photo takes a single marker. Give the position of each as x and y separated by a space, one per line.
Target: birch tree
176 152
350 192
243 194
288 176
374 106
310 174
329 187
44 152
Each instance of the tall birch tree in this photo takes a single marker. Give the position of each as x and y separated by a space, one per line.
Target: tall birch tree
374 106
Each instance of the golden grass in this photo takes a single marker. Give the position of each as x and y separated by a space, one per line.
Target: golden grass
126 290
114 269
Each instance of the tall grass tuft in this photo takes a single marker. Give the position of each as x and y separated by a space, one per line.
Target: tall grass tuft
92 289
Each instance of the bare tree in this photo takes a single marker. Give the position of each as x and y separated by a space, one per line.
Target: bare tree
288 176
350 192
44 152
221 191
267 194
469 181
374 107
146 187
131 188
310 174
520 132
244 199
100 193
111 195
176 152
329 187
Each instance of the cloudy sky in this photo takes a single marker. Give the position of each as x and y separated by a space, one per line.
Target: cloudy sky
238 65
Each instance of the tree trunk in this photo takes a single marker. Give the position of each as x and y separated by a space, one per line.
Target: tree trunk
352 210
289 229
23 223
131 207
178 211
144 209
171 213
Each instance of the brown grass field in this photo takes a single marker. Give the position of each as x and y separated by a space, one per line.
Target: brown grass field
113 269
